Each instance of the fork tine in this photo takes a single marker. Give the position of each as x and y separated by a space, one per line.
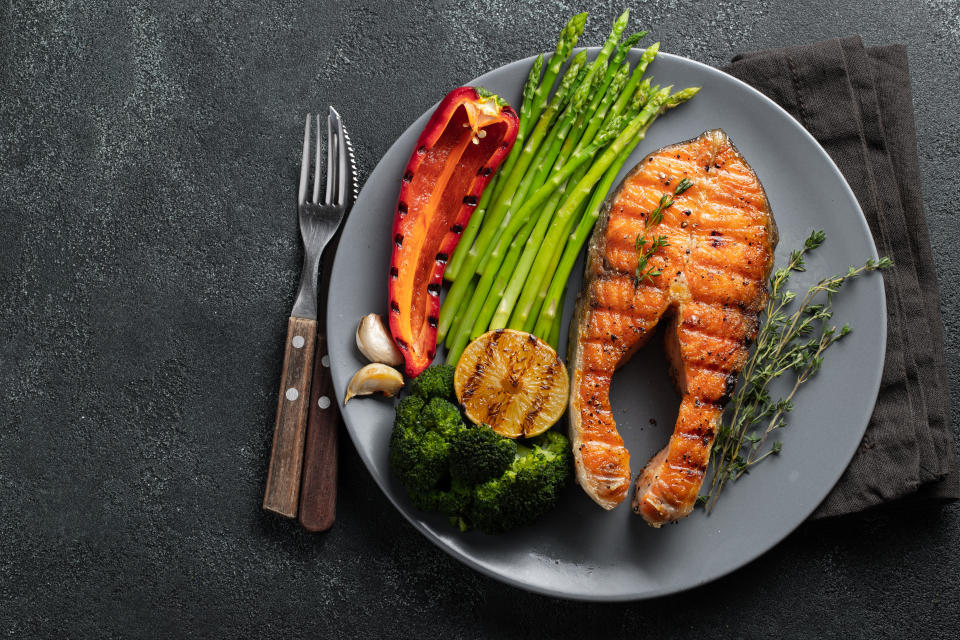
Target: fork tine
342 174
331 161
305 162
316 167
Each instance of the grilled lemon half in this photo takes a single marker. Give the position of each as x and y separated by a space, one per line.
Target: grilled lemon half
512 381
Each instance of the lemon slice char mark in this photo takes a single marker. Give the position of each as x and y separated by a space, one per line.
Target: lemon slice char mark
512 381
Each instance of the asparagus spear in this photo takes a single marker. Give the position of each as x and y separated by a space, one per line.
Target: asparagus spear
634 82
558 284
469 234
516 272
583 188
611 73
496 210
504 193
520 283
529 89
565 44
534 291
550 147
459 320
534 226
456 341
628 43
513 189
567 41
541 92
576 111
554 339
512 178
553 150
597 73
466 240
550 156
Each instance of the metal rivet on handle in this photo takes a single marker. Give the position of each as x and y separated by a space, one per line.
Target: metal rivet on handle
323 402
292 394
298 342
325 361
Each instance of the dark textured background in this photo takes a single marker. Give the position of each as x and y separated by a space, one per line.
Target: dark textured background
148 259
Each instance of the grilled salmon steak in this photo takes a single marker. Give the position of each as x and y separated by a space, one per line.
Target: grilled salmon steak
709 281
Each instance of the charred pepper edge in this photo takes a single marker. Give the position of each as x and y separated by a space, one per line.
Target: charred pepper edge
418 356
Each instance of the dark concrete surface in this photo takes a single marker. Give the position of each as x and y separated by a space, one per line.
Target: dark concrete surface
148 259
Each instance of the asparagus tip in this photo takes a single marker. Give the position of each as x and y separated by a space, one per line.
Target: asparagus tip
577 23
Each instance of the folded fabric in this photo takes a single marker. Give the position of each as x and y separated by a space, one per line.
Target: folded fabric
857 102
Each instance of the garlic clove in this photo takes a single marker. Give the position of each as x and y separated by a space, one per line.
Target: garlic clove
375 342
372 378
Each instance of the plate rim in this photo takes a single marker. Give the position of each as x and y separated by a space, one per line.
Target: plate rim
468 560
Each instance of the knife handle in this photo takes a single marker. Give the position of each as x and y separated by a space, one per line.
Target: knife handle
286 458
318 495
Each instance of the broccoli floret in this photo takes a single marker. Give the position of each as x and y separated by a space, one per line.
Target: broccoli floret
421 458
418 454
453 503
443 417
479 454
456 501
420 447
472 475
408 410
527 490
434 382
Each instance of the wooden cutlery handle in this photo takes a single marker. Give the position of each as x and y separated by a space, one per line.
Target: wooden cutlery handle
286 459
318 495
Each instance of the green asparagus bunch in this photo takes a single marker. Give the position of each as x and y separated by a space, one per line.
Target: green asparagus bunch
516 255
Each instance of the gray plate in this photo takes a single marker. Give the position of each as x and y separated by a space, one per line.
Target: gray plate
580 551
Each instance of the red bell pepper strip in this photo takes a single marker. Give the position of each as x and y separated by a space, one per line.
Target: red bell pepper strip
469 135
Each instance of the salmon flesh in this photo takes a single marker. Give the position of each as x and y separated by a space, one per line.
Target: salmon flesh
711 287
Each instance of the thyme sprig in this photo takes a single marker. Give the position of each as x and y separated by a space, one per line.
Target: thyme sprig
656 217
787 341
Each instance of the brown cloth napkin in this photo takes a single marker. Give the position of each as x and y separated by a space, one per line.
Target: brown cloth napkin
857 102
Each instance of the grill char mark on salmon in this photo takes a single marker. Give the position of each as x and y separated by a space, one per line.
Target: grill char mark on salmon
710 292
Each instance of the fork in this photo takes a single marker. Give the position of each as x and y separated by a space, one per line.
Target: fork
319 221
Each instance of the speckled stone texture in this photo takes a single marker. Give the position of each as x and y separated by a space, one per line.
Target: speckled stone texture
149 256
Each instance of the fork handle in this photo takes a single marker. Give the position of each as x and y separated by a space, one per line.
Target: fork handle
289 431
318 495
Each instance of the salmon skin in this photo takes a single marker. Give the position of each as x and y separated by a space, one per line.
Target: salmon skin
711 288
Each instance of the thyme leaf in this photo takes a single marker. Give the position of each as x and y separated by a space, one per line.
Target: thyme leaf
643 273
792 338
